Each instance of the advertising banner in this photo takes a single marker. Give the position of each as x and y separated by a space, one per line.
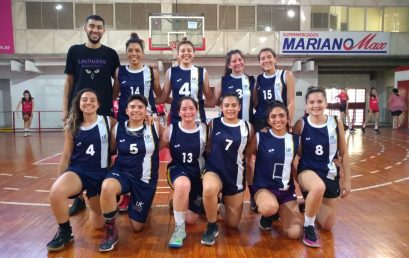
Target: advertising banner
6 28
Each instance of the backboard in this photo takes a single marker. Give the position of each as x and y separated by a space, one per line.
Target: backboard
166 30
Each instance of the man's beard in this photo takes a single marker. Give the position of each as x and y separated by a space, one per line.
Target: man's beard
93 41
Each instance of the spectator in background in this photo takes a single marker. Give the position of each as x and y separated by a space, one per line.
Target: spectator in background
396 105
373 110
27 106
343 108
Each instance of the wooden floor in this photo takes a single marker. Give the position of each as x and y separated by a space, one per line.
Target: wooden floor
372 222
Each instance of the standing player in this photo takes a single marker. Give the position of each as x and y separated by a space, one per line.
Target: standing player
186 80
273 181
90 65
373 110
322 142
186 141
397 106
272 85
136 78
235 81
225 168
135 170
83 166
27 108
343 108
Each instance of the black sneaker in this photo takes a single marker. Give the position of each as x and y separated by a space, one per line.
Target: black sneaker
209 236
111 238
377 131
60 239
363 130
352 129
77 206
310 237
265 223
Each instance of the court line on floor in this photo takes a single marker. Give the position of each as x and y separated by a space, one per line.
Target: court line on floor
47 158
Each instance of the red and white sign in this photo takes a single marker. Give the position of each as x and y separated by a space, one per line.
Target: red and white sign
334 43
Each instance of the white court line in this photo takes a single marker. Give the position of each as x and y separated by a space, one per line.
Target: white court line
32 177
363 160
162 180
5 174
403 179
25 203
370 187
388 167
373 172
42 164
352 163
378 154
42 191
371 157
398 163
163 187
356 175
47 158
162 192
11 188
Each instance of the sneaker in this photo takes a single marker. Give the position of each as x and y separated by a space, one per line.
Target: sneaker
209 236
253 205
265 223
123 206
363 130
25 134
310 237
352 129
111 238
377 131
178 236
77 206
60 239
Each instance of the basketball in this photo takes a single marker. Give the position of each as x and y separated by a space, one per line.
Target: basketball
26 117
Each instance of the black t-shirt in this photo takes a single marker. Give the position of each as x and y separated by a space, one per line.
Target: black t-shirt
93 68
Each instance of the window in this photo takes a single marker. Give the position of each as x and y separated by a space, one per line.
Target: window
319 17
356 18
106 11
278 17
140 15
82 11
246 17
227 17
402 20
48 15
338 18
208 10
374 19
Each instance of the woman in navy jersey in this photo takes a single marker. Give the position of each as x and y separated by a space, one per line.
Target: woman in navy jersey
84 164
273 182
225 167
27 108
136 78
237 82
135 170
272 85
322 144
373 110
186 141
186 80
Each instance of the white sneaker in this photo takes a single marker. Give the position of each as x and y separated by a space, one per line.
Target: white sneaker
25 134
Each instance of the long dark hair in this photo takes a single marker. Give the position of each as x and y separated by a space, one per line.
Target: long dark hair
277 104
229 54
76 116
371 94
29 95
135 39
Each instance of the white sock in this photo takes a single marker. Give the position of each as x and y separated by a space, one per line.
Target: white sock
179 217
308 221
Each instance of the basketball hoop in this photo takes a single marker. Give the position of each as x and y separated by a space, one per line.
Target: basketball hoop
174 45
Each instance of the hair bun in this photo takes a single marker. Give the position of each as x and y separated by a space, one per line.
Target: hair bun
134 35
184 39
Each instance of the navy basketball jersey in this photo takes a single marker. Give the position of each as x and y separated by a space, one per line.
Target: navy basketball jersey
135 82
242 86
187 147
274 157
91 146
227 150
319 147
138 153
270 88
187 82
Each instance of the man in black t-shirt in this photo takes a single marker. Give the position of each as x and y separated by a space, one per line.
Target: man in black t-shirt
91 65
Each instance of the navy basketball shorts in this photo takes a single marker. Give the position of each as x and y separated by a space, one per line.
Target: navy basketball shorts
196 187
91 179
229 185
332 189
141 196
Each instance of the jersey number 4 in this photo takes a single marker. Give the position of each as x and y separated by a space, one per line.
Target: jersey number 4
90 150
184 90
